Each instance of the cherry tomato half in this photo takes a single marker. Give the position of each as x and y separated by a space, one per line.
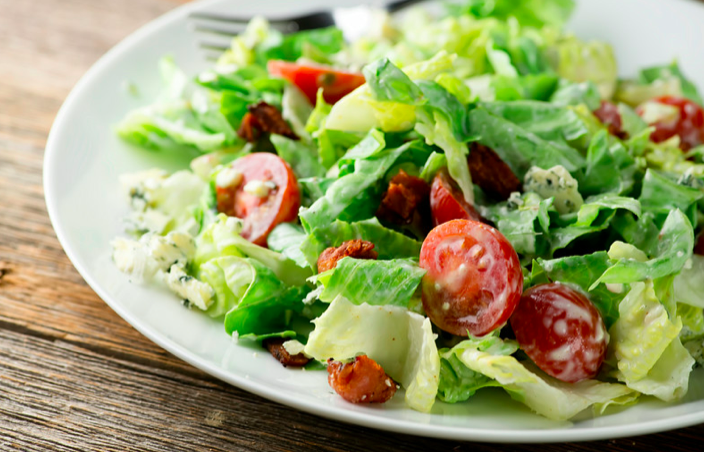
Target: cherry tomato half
689 126
473 281
272 196
561 331
447 201
609 115
336 84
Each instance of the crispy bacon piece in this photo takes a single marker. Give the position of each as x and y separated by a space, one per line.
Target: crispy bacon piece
491 173
406 195
275 346
361 381
359 249
263 117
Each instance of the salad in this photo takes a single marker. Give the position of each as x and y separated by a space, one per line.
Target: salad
446 204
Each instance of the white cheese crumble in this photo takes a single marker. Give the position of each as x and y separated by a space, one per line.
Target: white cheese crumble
293 347
259 188
152 253
228 177
189 288
556 183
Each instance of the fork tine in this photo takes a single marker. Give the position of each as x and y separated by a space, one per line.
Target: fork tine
219 47
218 31
231 19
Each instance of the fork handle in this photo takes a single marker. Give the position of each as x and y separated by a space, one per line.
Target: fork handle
400 4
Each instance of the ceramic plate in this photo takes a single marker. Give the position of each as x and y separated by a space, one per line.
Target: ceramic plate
84 158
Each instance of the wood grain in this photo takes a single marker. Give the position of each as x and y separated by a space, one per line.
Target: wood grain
73 375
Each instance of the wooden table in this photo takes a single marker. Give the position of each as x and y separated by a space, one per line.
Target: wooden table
73 375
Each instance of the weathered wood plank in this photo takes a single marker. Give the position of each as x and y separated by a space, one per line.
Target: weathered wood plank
59 396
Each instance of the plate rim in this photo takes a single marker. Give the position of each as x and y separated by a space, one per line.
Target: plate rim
337 413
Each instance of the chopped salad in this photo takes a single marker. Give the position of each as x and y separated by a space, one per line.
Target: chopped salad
446 204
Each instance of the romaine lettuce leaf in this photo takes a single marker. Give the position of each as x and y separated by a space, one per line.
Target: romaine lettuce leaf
645 346
661 196
388 243
222 238
302 157
356 196
401 341
286 238
519 148
666 72
266 306
572 93
457 381
532 13
543 394
689 284
375 282
580 61
669 254
610 168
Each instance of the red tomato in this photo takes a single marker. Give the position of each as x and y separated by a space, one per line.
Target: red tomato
447 201
689 126
261 214
336 84
473 281
609 115
561 331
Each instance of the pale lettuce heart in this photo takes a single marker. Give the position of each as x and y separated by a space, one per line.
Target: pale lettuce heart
645 348
400 341
543 394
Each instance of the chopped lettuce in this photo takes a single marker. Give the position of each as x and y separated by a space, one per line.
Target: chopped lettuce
401 341
457 381
646 348
543 394
388 243
287 238
375 282
222 238
580 61
669 254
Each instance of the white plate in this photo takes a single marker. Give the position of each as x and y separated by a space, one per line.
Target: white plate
84 158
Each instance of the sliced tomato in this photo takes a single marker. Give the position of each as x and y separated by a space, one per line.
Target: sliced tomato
279 202
609 115
336 84
561 331
689 125
473 281
447 201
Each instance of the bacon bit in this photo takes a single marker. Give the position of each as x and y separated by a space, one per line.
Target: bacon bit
359 249
276 347
406 195
491 173
361 381
263 117
249 128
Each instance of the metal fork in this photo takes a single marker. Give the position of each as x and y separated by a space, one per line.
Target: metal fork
221 28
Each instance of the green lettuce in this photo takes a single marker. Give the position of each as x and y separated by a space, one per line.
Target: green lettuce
519 148
572 93
356 196
543 394
646 348
302 157
287 238
222 238
457 381
689 284
376 282
669 254
401 341
580 61
266 305
388 243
